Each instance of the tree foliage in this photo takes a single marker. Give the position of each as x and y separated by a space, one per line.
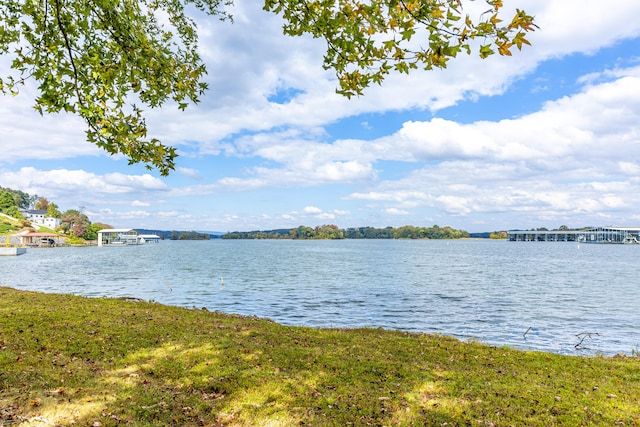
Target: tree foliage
366 40
11 201
52 210
42 204
7 203
22 200
96 59
333 232
91 231
106 60
75 222
189 235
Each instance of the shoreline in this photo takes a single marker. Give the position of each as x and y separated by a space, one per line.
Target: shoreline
106 362
578 347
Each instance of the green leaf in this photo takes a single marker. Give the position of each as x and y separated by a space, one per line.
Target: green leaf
486 51
90 58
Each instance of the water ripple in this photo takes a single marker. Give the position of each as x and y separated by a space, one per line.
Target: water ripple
537 296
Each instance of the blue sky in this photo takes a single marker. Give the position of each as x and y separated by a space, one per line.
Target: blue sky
548 137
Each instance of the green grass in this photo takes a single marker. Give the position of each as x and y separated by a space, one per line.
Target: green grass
6 226
67 360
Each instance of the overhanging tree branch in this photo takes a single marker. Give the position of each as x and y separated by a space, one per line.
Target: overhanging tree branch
99 56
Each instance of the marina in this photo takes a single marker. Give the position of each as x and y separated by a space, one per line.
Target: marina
124 237
617 235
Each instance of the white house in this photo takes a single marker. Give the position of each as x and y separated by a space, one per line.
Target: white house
40 217
51 222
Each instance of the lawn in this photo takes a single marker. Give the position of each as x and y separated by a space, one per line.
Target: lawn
68 360
6 227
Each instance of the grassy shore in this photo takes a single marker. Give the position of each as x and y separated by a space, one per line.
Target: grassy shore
67 360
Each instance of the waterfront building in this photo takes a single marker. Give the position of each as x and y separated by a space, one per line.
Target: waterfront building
124 236
620 235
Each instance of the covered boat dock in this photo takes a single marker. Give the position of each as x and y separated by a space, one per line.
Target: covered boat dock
41 240
620 235
124 236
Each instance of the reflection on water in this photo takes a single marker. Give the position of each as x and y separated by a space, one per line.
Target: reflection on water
527 295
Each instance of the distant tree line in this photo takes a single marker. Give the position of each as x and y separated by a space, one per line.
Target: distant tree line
332 232
406 232
266 234
498 235
188 235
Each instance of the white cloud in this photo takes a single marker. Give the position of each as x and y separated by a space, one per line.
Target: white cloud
73 188
581 25
250 60
325 215
603 119
112 217
271 113
119 182
396 211
35 181
312 210
191 173
171 214
576 144
27 135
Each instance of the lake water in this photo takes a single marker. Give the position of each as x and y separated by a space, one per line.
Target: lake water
528 295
